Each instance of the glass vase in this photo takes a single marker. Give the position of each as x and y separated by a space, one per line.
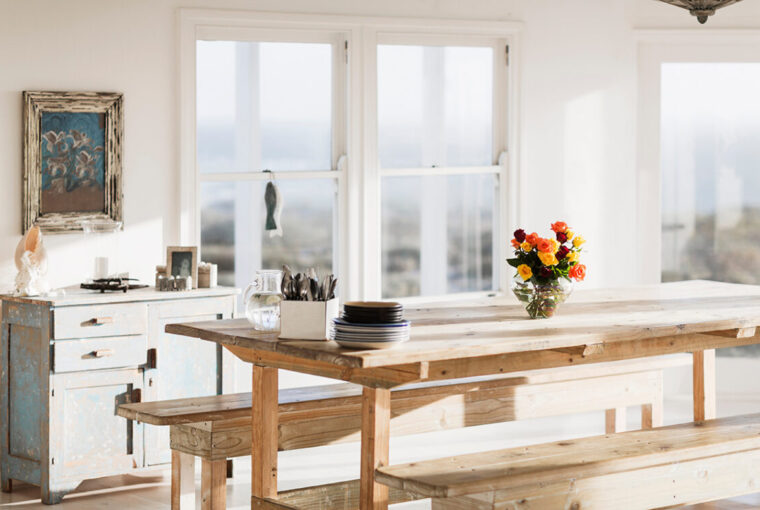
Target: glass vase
541 300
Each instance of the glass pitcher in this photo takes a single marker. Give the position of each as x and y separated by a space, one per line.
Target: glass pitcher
262 300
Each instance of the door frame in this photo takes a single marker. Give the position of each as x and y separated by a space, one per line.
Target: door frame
654 48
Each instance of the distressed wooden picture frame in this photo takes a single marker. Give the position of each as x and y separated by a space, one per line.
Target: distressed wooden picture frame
105 178
183 253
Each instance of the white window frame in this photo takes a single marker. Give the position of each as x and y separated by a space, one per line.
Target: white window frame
359 246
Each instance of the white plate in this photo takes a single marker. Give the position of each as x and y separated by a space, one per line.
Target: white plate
357 337
371 335
368 345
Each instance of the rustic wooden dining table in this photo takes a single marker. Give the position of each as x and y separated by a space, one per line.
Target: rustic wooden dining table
489 336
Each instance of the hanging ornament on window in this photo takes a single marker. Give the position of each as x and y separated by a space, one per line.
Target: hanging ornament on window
702 9
273 202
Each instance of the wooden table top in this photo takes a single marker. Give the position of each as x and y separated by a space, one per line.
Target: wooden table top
500 326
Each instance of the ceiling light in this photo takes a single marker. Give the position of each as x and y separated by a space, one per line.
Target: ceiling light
702 9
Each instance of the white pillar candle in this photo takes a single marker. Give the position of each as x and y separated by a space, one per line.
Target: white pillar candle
101 267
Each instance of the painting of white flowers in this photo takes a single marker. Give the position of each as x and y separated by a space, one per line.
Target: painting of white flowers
73 169
72 159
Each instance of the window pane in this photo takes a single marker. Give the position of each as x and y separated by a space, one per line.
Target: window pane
232 228
434 106
710 160
437 234
264 105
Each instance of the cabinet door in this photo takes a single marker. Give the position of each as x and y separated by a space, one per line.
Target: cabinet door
87 438
185 367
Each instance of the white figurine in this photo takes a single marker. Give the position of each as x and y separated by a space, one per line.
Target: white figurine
31 262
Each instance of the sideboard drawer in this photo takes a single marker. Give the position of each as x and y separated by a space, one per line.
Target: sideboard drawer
97 353
101 320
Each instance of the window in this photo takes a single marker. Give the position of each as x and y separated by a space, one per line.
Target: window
435 145
390 156
710 172
266 106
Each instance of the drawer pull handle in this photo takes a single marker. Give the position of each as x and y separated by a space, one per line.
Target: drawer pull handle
98 321
102 353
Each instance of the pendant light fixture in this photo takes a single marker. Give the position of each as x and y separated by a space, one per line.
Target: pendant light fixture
702 9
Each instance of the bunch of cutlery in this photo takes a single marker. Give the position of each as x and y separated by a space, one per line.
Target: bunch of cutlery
307 286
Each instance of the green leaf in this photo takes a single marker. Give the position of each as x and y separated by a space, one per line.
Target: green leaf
513 262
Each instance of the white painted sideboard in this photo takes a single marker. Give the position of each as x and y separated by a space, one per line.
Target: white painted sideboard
67 362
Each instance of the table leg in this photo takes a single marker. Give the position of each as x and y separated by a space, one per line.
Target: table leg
376 420
264 436
704 385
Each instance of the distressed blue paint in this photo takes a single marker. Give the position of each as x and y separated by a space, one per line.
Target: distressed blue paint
24 390
55 441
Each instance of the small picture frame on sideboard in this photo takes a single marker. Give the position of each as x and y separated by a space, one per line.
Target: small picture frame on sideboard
182 261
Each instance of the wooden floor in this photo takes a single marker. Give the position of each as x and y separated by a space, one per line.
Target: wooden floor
150 491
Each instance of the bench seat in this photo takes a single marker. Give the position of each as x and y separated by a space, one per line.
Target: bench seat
681 464
218 428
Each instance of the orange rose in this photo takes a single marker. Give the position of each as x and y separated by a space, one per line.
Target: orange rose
545 245
578 272
532 238
559 226
515 244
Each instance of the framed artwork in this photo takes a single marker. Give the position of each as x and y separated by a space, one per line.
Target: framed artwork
72 159
182 261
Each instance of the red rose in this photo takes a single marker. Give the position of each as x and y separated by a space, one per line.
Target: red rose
545 272
561 237
562 252
520 235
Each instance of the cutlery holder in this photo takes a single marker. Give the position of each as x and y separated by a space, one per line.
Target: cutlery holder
307 320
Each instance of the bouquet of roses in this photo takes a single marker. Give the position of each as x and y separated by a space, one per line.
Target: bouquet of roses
545 267
545 259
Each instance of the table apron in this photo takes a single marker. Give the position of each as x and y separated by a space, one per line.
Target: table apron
436 370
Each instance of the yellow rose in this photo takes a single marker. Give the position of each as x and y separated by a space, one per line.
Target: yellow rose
570 234
548 259
572 256
556 244
526 246
524 271
578 241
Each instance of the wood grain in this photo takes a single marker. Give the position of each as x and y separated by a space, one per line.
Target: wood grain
213 484
335 496
704 385
494 327
656 486
264 433
375 437
561 461
183 481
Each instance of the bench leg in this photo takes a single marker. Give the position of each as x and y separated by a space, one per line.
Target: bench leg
264 433
614 420
183 481
376 419
6 485
213 484
704 385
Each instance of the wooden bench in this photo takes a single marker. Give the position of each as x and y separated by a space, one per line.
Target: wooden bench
218 428
677 465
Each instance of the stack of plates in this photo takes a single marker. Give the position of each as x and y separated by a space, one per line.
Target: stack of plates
373 312
371 325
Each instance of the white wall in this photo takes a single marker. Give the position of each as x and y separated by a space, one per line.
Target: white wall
577 108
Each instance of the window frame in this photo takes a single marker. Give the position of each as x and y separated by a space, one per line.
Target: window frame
355 122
